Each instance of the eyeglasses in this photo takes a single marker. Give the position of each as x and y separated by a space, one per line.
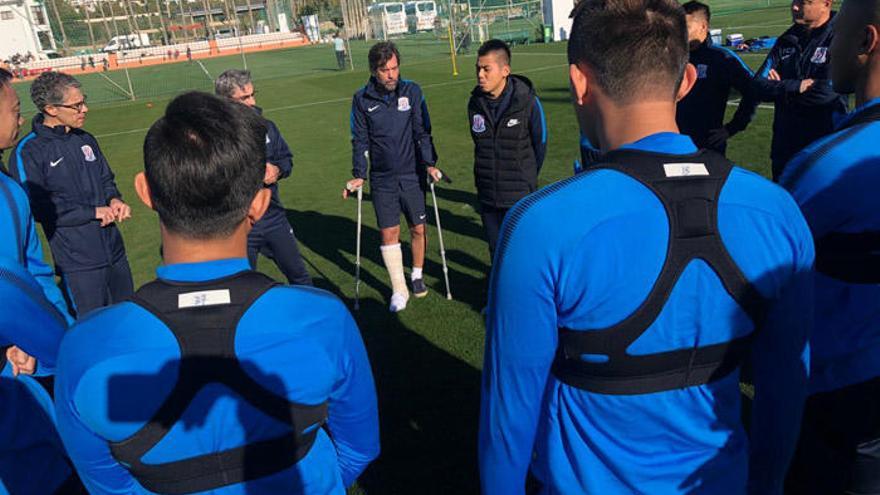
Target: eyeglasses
247 96
77 107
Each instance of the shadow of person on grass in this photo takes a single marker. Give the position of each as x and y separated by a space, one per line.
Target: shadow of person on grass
429 405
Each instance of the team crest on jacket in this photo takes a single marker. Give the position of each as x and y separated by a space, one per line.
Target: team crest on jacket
820 56
702 71
403 104
88 153
479 123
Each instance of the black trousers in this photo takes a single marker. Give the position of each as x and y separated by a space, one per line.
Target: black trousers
839 448
492 219
93 289
340 59
278 243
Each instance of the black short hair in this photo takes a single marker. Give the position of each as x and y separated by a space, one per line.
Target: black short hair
5 77
695 7
496 46
204 161
633 47
381 53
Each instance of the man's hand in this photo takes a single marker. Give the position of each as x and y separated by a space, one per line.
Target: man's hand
272 174
105 215
773 75
21 362
121 211
717 138
806 84
352 186
435 174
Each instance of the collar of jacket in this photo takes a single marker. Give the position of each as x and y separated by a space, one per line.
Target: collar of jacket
376 91
520 86
56 132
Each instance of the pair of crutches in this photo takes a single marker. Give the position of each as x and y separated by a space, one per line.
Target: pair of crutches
357 264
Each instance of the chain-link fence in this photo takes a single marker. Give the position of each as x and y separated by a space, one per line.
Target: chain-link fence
143 49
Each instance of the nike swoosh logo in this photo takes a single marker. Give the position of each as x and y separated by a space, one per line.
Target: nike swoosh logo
512 123
56 162
372 108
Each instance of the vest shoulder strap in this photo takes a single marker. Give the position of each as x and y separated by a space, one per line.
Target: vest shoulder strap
204 317
688 188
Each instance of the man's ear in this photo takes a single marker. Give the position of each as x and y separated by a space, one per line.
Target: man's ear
687 82
581 85
871 43
143 189
259 205
50 110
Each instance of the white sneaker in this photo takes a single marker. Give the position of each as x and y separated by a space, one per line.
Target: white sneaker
398 302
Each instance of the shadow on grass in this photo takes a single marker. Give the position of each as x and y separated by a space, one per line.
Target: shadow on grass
428 410
333 238
428 399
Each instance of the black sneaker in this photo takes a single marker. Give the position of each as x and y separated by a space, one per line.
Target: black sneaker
419 288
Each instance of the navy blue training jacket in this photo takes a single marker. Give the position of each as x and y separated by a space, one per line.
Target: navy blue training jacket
396 130
800 119
702 110
66 177
278 154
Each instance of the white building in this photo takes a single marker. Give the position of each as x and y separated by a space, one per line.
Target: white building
556 15
24 27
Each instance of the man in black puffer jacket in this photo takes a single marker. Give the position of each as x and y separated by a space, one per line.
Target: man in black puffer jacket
510 136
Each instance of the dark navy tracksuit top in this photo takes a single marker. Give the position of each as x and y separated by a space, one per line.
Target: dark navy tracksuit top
66 177
799 119
702 110
278 154
396 130
118 365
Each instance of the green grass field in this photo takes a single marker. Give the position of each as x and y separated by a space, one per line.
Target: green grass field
427 359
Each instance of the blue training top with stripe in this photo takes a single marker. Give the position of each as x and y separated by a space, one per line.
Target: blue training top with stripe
834 181
584 253
32 458
298 342
22 244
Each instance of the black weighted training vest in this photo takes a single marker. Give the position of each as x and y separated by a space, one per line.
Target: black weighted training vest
691 204
206 335
851 257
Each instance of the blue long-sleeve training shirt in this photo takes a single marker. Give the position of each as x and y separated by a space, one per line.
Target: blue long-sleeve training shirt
584 253
22 243
118 365
396 130
718 70
66 177
834 181
800 118
32 458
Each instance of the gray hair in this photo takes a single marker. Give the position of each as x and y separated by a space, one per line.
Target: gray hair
49 88
230 80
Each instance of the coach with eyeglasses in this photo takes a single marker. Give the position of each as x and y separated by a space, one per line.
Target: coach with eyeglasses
73 194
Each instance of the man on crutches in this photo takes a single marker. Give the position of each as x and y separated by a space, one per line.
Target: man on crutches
391 140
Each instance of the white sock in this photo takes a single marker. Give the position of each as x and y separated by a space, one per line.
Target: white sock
393 258
416 273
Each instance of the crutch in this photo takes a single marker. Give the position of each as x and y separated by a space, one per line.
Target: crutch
445 178
357 262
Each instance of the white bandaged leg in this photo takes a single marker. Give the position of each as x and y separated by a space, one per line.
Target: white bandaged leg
393 258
